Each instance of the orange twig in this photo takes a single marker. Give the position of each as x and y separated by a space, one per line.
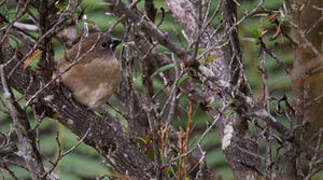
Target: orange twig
179 171
188 129
163 140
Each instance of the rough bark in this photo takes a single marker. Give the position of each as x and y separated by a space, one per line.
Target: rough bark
307 79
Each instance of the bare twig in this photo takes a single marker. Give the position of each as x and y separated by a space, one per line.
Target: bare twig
61 154
30 152
187 133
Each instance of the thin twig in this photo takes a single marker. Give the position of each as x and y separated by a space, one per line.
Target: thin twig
61 155
187 134
180 164
208 129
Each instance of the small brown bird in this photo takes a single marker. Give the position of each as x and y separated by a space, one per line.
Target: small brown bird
96 75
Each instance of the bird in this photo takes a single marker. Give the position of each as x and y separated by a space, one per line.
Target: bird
91 71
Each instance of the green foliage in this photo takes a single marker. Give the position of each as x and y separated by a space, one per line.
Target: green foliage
256 33
19 172
81 165
6 12
162 69
183 79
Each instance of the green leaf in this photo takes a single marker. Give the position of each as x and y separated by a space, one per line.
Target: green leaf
215 104
228 113
183 79
261 14
81 165
210 58
253 40
151 153
4 10
162 69
89 21
200 51
60 5
256 33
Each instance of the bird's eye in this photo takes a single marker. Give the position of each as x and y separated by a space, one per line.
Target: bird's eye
104 44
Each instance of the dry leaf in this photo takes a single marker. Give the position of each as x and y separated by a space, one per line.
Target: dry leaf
32 57
302 7
276 33
282 39
273 17
261 25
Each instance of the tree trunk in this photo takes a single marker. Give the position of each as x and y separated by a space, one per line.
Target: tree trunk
307 77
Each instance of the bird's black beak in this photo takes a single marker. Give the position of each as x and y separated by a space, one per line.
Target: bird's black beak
115 42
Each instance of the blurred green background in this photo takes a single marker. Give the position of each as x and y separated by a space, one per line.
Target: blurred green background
85 163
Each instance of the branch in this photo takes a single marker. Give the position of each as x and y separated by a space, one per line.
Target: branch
147 27
106 135
30 153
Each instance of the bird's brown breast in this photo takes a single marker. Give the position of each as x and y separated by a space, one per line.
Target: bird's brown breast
92 83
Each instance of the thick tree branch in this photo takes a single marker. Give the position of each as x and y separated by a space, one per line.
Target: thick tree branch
106 134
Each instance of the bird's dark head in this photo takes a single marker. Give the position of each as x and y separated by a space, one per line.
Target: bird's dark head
107 42
95 44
